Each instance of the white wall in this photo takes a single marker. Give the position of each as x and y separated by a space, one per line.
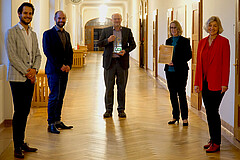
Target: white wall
40 23
162 7
210 8
6 106
133 24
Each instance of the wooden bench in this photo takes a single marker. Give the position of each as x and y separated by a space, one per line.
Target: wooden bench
79 56
41 90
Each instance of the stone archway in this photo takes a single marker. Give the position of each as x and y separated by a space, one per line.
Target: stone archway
93 30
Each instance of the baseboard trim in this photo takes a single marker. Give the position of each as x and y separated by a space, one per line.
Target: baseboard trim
227 129
6 123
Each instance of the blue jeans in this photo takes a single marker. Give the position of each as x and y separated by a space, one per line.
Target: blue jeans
57 84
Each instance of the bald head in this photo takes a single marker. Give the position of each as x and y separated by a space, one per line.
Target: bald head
56 13
60 19
117 20
116 14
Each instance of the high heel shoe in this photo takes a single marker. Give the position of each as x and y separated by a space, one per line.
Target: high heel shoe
185 122
173 121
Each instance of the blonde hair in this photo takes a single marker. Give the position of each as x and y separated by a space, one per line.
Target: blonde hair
212 19
179 27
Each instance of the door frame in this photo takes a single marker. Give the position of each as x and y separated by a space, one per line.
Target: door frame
143 34
237 75
196 98
155 43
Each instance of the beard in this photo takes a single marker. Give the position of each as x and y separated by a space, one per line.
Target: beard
60 24
25 22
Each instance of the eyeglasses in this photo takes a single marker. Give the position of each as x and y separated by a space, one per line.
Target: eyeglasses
173 27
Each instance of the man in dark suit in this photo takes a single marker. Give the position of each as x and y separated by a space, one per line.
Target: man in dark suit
118 42
24 61
58 50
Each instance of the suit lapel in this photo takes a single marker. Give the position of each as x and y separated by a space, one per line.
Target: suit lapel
123 33
20 34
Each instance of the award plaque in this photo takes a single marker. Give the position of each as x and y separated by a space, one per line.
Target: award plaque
117 45
165 54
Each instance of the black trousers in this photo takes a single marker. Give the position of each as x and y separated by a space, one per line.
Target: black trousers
177 87
121 75
22 93
212 101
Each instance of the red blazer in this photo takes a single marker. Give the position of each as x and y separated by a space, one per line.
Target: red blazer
219 67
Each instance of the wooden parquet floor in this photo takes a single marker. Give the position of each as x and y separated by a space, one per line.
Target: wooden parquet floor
143 135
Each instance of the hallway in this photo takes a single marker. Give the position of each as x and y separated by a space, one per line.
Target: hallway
143 135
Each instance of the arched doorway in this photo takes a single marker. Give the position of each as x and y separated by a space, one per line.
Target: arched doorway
93 29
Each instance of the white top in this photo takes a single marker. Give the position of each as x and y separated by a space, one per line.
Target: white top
28 40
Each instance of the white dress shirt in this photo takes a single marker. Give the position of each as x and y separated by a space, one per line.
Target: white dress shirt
28 40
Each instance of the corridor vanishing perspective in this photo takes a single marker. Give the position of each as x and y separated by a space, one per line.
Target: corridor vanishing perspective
143 135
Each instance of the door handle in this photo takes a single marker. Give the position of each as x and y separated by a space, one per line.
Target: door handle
236 63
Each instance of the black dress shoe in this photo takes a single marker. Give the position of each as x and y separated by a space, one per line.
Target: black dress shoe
61 125
185 122
26 148
122 114
18 153
107 114
53 129
173 121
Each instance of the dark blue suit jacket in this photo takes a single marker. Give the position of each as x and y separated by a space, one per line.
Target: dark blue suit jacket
55 53
128 44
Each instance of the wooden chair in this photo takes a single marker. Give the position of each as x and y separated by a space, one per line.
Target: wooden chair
41 90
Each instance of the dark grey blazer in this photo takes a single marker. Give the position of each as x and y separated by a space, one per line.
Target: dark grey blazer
128 44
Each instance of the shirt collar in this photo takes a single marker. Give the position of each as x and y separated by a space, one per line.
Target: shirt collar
22 28
120 28
57 29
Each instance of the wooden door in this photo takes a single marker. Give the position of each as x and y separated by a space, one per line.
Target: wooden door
196 98
89 36
143 33
237 77
155 43
141 50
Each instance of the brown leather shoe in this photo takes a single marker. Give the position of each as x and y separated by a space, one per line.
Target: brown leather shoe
207 145
213 148
18 153
26 148
107 114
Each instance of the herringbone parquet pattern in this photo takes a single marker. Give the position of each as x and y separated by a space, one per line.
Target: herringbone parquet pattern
143 135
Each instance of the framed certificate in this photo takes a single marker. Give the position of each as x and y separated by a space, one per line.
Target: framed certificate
165 54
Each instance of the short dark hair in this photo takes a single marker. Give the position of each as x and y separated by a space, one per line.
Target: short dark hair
20 9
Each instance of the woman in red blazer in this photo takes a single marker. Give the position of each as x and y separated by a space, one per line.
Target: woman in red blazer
212 76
